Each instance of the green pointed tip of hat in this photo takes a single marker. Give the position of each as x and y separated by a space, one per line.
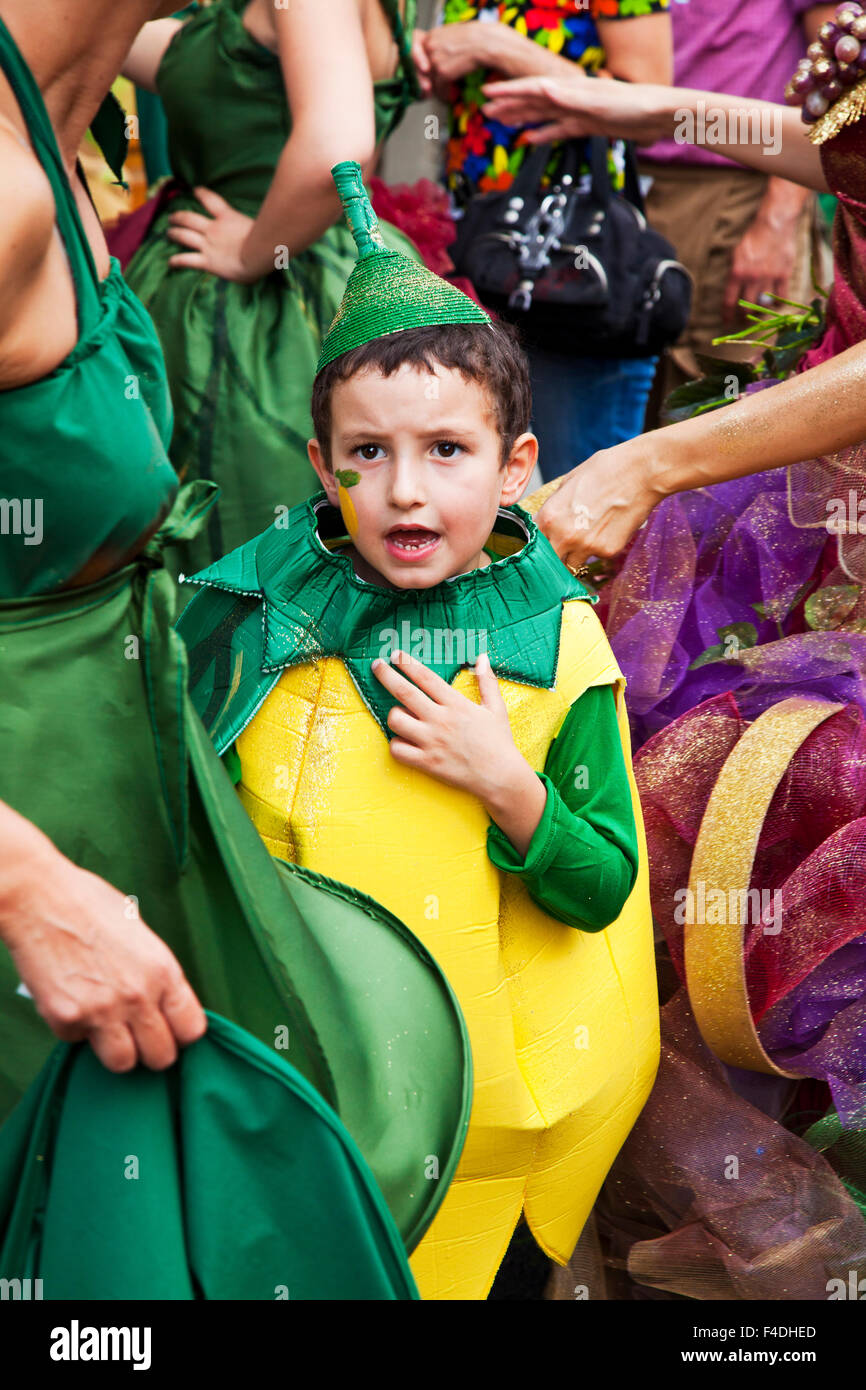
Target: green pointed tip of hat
387 292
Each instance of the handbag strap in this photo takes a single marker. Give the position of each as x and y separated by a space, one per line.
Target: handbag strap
600 168
631 191
529 176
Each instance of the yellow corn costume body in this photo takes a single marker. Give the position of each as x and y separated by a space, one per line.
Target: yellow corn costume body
563 1023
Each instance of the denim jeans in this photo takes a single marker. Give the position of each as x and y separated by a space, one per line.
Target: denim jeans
581 405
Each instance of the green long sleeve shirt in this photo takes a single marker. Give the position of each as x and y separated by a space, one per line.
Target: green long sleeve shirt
582 860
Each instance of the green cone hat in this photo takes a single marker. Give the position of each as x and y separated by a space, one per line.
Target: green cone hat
387 292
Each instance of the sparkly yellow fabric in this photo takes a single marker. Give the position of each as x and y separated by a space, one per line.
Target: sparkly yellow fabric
563 1023
722 860
847 110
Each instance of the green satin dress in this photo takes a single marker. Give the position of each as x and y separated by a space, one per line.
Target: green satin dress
104 752
241 358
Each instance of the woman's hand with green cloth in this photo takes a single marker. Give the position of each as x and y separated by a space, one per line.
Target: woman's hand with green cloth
597 507
93 968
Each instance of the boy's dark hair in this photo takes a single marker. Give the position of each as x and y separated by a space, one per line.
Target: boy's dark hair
490 355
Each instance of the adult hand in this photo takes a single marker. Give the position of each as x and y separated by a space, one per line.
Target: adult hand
423 68
598 506
763 263
453 50
216 242
95 971
578 106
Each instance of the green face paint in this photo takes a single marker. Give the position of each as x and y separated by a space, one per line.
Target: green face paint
347 477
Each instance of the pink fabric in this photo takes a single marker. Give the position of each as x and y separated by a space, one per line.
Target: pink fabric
749 48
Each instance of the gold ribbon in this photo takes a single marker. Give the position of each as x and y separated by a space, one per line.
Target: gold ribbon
723 859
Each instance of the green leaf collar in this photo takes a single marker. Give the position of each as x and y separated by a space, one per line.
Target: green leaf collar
302 601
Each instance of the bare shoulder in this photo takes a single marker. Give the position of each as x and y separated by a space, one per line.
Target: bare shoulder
29 214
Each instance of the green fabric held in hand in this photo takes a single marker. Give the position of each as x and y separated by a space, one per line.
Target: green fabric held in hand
582 861
224 1177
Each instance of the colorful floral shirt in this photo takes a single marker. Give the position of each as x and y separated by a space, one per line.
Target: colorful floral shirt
482 154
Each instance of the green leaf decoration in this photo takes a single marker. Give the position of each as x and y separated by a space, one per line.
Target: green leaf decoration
108 129
746 635
828 607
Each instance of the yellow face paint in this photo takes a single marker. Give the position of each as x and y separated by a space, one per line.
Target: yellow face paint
346 478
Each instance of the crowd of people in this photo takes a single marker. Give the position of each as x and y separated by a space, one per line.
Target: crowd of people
435 713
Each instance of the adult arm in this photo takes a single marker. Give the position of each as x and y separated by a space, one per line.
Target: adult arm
582 861
764 258
639 48
600 504
95 971
774 139
330 94
142 62
454 50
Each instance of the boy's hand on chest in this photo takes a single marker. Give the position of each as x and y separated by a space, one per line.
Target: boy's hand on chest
443 733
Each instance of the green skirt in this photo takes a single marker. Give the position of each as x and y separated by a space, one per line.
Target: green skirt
106 755
241 361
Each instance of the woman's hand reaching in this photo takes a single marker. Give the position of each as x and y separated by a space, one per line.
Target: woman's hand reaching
597 507
215 243
577 107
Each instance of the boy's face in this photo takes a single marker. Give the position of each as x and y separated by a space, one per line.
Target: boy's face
416 469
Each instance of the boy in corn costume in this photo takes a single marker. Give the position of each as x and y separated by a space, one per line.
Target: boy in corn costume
482 793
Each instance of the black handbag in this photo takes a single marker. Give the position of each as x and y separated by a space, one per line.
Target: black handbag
580 273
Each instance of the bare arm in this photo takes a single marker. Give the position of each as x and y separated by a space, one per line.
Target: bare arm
763 135
93 968
764 259
639 49
595 509
330 93
143 60
453 50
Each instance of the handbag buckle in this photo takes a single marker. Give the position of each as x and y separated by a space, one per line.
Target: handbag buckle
521 298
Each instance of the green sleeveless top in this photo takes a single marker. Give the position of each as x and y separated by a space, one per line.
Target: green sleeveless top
83 464
225 100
